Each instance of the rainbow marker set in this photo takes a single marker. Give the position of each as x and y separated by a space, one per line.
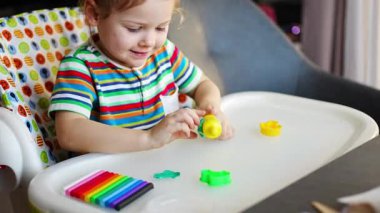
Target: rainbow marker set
108 189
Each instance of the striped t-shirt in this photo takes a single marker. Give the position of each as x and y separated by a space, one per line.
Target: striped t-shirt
92 85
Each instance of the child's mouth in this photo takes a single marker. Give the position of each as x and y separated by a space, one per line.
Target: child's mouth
139 54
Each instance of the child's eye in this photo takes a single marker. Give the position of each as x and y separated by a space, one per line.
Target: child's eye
133 29
161 29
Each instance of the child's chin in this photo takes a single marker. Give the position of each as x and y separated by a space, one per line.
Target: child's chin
137 65
134 64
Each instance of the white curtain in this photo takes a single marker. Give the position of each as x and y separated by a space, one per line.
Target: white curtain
362 42
323 33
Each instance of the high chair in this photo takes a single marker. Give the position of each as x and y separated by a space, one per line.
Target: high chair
31 47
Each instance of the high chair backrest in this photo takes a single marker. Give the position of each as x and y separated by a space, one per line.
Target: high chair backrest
31 47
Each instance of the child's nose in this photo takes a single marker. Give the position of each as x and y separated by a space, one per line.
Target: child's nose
148 39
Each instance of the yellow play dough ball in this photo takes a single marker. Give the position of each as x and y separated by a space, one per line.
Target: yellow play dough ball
211 127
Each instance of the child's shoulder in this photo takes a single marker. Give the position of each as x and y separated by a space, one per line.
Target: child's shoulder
83 52
169 44
169 47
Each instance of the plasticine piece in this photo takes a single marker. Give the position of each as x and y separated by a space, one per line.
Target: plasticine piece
166 174
215 178
270 128
134 196
108 189
210 127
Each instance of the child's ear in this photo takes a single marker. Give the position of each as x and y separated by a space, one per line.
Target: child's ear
91 12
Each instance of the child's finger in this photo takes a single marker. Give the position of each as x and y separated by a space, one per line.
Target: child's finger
228 132
190 120
210 109
199 112
185 129
182 131
193 135
192 117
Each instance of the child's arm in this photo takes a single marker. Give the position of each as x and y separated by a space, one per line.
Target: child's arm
79 134
207 97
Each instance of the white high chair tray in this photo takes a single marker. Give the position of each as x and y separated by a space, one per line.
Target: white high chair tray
313 134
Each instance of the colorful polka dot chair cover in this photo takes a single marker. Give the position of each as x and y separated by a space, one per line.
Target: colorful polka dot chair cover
31 47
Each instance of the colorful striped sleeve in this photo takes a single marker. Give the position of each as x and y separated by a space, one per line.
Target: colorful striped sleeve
73 90
186 74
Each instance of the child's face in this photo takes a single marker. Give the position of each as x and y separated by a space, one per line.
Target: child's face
129 37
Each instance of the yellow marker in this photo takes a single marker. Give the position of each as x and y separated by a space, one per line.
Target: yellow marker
270 128
210 127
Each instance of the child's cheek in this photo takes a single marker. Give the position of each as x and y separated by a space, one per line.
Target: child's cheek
161 40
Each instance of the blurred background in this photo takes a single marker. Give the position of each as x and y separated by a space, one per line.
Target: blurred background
11 7
341 36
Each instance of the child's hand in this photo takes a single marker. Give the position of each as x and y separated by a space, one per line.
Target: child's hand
227 129
177 125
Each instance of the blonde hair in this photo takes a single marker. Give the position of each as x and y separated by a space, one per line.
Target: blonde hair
106 6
